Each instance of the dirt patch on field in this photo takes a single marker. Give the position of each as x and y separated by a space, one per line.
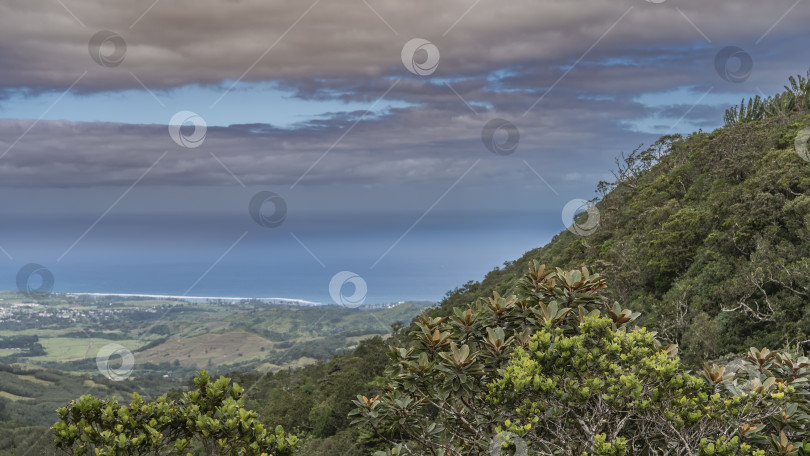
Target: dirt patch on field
207 350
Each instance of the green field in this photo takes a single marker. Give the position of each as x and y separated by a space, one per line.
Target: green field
12 397
72 348
177 338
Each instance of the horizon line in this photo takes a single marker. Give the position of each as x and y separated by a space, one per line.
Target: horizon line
206 298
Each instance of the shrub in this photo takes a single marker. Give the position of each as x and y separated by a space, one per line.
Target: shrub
211 416
558 370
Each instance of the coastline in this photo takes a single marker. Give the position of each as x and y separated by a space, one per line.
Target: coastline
301 302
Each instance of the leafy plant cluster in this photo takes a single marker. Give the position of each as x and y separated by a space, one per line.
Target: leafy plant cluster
796 97
316 399
211 417
558 369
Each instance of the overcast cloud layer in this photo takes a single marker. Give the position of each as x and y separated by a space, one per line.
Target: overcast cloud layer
569 76
183 42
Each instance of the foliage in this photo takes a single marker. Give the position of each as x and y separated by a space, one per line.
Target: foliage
315 400
435 388
213 415
706 230
558 370
795 98
17 439
605 391
40 391
755 111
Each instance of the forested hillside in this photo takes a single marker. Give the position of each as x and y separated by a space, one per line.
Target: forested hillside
707 236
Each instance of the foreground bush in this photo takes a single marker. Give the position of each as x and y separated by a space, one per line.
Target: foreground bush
211 418
558 370
613 391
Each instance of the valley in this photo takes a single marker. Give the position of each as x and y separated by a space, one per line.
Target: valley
50 347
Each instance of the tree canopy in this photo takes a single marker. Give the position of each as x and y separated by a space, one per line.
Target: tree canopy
211 417
561 370
706 235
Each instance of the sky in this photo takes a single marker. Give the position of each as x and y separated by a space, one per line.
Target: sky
261 148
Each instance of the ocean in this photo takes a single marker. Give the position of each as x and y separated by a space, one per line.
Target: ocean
200 258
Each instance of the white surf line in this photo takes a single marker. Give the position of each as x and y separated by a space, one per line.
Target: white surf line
191 298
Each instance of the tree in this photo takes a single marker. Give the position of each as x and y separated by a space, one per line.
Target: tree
212 417
608 391
559 370
433 400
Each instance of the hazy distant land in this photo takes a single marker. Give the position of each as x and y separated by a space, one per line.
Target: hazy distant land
201 298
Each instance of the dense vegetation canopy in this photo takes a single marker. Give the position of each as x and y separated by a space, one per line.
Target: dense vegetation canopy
708 236
561 370
210 418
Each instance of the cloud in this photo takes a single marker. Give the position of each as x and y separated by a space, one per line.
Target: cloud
406 145
338 43
511 61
